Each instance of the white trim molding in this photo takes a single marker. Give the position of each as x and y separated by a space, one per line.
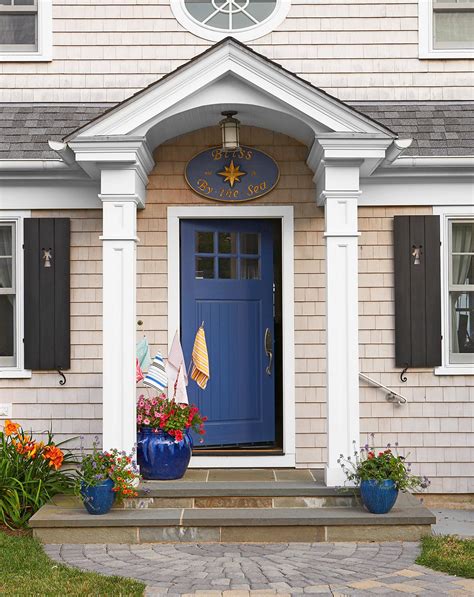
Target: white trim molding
275 19
44 52
285 214
18 371
447 213
426 47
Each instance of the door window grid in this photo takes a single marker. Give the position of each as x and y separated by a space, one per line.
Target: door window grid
461 291
227 255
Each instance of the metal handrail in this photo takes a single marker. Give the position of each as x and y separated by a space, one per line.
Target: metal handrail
391 394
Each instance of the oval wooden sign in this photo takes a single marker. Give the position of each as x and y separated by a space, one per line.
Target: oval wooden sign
233 176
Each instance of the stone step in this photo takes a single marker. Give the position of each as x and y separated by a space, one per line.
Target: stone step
171 489
408 521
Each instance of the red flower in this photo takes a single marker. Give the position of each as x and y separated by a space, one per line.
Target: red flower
178 435
370 456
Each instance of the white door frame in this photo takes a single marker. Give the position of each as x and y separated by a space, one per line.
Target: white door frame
285 214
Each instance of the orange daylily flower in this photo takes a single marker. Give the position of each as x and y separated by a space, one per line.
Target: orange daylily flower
54 455
10 428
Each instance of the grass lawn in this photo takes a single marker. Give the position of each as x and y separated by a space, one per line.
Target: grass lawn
448 554
26 570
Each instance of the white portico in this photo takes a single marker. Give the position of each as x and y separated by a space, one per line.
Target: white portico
343 145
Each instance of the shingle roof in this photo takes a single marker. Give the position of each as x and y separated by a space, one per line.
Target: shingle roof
438 129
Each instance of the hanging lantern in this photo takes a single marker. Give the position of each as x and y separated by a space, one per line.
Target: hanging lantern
230 130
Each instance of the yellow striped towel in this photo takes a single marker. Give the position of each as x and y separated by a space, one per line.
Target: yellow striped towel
200 370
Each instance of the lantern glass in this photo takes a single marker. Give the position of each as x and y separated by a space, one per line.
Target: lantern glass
230 131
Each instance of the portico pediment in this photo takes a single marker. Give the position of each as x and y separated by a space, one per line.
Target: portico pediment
230 75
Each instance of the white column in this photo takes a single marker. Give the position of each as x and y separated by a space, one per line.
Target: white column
119 307
340 196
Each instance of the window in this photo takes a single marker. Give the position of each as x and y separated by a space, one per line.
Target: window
11 295
461 291
243 19
25 30
7 294
446 28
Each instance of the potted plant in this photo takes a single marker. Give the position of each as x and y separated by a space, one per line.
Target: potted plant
164 440
380 476
105 476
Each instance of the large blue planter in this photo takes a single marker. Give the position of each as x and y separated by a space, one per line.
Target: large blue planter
378 497
98 499
160 457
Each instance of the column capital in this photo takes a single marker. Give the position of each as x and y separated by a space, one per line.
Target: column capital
122 164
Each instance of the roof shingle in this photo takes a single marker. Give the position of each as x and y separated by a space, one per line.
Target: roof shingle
437 129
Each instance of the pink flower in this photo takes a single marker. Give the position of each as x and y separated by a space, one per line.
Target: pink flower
139 419
146 421
154 402
141 403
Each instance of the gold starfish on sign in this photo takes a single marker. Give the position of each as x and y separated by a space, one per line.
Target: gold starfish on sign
232 173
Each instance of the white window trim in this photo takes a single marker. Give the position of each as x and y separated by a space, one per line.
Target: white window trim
445 214
44 53
285 214
425 36
267 26
18 371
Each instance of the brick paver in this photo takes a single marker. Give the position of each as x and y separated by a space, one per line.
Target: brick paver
262 570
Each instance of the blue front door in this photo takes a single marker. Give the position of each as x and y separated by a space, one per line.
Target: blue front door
227 282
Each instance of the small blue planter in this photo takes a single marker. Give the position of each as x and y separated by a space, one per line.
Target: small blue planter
378 497
160 457
98 499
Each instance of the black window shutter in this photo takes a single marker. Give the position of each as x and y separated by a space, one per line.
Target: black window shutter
47 294
417 291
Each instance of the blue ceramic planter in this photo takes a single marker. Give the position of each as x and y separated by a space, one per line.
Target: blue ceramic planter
160 457
98 499
378 498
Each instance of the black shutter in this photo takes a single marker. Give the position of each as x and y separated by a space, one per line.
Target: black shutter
47 294
417 291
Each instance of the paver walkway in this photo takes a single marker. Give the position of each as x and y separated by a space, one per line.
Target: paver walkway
243 570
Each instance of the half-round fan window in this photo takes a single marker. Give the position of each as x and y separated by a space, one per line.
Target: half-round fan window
243 19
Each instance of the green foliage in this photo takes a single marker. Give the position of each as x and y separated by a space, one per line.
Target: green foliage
30 474
26 570
448 554
366 465
168 415
115 465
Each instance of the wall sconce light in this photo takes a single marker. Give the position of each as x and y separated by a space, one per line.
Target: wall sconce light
416 253
230 130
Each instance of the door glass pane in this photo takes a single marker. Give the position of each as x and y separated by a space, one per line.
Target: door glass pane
227 268
204 242
249 243
7 315
462 322
249 269
227 242
204 267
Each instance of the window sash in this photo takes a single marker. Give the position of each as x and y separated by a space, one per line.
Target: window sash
456 357
14 9
12 361
451 8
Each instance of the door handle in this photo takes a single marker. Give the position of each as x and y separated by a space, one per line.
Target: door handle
268 344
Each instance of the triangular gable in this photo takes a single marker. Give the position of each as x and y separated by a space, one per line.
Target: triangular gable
229 57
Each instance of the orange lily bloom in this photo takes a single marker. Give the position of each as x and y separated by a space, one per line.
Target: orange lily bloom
54 455
10 428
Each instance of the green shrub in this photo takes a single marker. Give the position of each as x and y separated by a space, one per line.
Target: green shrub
31 473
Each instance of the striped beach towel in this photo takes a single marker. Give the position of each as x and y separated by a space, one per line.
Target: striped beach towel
156 376
200 370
